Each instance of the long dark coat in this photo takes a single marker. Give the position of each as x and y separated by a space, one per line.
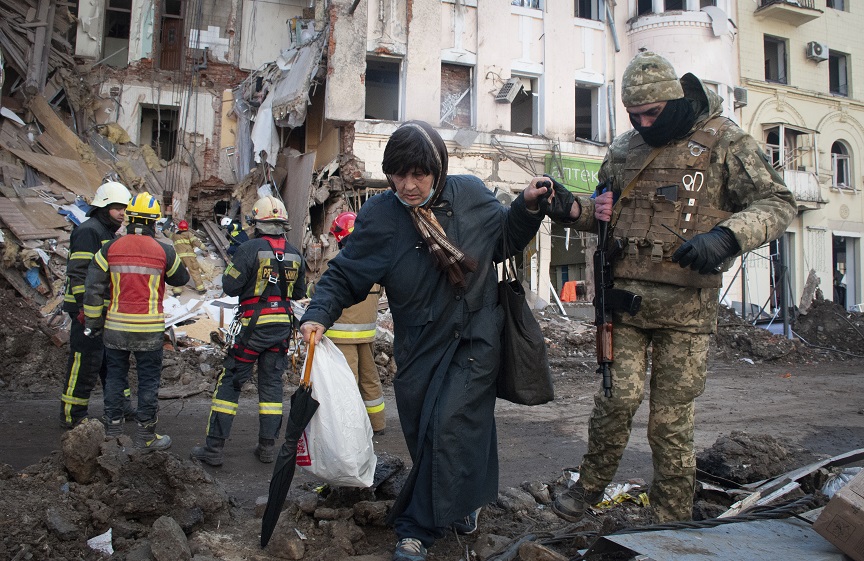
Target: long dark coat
446 341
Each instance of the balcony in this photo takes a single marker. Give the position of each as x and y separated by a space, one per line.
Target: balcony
788 11
805 186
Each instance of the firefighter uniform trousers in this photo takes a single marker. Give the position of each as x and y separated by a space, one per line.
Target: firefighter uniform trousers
185 244
267 345
86 364
354 334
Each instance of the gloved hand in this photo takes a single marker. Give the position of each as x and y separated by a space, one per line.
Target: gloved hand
93 332
559 208
80 317
705 252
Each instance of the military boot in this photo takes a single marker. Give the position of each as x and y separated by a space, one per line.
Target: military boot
210 453
147 440
113 427
266 450
572 504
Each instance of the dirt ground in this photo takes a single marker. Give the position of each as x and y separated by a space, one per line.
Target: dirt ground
771 405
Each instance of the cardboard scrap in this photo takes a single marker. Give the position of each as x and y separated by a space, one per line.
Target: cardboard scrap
842 520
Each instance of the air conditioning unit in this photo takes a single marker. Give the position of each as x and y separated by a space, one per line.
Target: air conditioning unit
740 97
817 51
504 197
509 91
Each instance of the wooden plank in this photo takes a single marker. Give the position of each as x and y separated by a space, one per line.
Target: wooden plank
22 226
72 174
16 280
217 236
55 126
41 213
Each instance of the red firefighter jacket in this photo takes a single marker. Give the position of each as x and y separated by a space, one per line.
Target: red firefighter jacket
131 273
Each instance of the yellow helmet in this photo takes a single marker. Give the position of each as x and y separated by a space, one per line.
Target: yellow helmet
144 206
269 209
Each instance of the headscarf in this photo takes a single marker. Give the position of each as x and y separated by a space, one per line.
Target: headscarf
446 255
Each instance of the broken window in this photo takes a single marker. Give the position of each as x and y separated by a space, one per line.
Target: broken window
644 7
775 59
586 115
159 130
171 45
588 9
382 89
118 22
838 84
524 109
842 175
456 81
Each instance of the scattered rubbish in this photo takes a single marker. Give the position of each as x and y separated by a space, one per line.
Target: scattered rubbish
841 522
102 543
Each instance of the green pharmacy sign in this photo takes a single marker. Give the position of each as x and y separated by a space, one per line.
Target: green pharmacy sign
577 174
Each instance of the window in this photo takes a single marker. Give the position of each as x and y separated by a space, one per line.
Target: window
588 9
842 175
171 44
673 5
382 89
837 82
837 4
118 21
526 3
706 3
586 113
644 7
159 130
775 60
456 95
524 109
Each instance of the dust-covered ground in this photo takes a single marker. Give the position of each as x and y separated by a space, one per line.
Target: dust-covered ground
771 405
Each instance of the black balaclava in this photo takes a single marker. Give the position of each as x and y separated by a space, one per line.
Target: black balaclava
675 121
103 216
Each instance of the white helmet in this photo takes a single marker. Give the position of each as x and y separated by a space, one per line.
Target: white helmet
269 209
110 193
226 221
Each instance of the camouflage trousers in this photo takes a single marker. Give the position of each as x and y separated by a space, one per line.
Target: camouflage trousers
678 370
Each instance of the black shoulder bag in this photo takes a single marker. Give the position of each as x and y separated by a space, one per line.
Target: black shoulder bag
523 376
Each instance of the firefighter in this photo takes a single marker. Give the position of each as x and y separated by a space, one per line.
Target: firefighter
354 334
132 271
266 274
236 235
86 355
185 243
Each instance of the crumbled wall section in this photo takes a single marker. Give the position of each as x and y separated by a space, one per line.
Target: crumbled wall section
350 168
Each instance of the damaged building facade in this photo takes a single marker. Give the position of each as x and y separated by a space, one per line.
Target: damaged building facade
205 101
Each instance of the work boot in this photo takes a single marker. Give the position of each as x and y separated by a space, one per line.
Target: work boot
572 504
210 453
266 450
113 427
147 440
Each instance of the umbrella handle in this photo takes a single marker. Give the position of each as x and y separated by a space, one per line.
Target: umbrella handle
309 354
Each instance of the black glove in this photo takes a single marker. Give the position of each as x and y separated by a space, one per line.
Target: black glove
559 208
705 252
93 332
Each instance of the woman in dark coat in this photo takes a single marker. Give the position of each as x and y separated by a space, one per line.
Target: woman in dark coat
432 243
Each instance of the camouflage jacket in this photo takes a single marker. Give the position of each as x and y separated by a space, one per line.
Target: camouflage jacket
737 180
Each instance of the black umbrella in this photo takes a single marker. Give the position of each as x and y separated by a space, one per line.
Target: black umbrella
303 407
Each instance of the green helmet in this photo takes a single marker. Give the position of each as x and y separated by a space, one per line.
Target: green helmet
649 78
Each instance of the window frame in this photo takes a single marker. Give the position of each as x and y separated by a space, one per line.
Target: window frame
838 73
841 165
781 55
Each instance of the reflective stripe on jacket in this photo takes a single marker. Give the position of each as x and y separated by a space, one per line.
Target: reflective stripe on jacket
357 324
84 242
132 272
185 243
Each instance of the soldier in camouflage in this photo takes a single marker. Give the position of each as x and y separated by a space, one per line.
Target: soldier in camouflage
687 169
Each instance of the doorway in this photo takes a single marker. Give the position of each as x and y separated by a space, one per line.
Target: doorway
846 271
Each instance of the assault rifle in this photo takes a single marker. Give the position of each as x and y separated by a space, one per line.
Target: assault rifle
608 299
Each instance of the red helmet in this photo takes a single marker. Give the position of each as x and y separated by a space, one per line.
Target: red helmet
182 226
343 225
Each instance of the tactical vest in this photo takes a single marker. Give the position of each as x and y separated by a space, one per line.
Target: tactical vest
671 192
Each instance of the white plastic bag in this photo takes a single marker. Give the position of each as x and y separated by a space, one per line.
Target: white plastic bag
337 443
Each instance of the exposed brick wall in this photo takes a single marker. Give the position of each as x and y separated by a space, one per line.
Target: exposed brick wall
455 79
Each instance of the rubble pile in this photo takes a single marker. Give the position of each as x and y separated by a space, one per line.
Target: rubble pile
829 328
92 485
